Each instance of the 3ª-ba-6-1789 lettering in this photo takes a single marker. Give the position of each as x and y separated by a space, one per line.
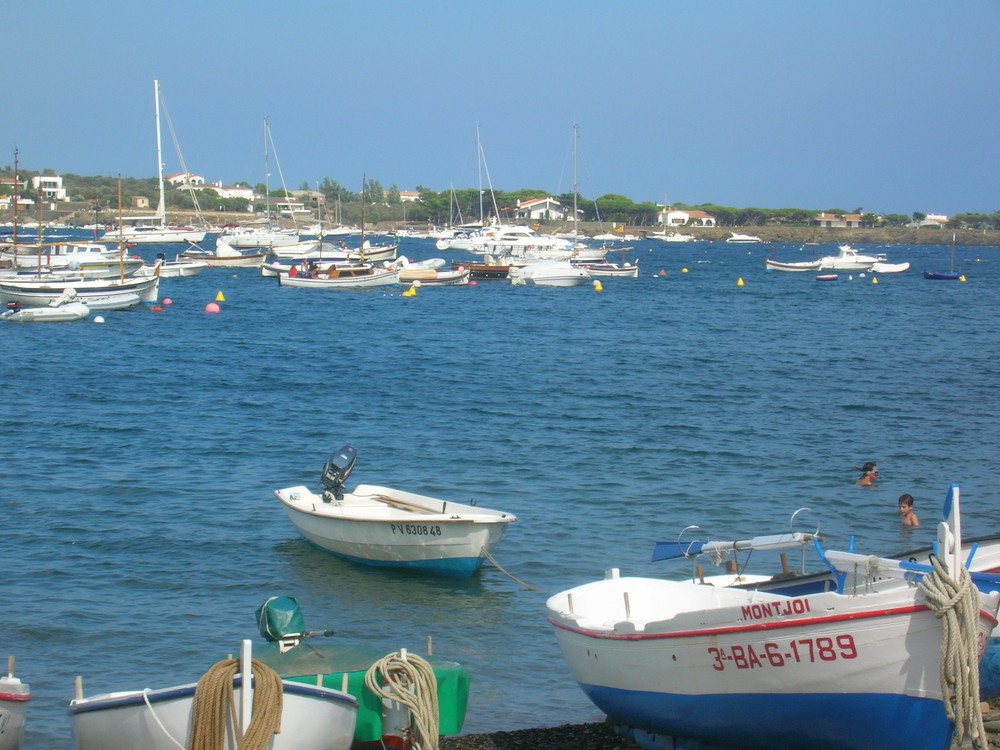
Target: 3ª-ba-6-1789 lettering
781 655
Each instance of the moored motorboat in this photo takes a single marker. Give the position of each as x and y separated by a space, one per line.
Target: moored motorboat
735 238
293 715
96 294
223 255
14 697
342 276
64 309
671 661
559 273
849 259
387 527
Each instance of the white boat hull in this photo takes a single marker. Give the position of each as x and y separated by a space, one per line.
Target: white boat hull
61 314
796 266
556 273
378 278
821 671
432 535
155 235
312 718
14 697
96 294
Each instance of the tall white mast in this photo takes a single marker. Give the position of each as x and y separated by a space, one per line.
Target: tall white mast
575 187
161 210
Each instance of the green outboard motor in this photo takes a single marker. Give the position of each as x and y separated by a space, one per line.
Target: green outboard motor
280 617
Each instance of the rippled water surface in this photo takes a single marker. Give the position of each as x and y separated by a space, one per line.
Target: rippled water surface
141 532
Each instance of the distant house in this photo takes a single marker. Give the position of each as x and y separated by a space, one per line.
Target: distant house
183 178
675 217
837 221
313 197
409 196
51 187
140 201
541 208
228 191
7 185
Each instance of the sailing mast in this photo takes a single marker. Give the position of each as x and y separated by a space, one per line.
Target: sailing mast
576 187
361 247
161 210
267 179
16 178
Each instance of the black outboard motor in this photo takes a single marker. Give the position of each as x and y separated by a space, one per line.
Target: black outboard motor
336 471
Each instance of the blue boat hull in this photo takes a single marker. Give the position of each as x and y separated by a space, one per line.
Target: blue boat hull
886 722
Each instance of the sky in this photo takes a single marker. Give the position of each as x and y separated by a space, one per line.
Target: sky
888 106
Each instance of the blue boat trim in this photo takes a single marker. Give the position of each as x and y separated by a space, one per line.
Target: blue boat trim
888 722
454 567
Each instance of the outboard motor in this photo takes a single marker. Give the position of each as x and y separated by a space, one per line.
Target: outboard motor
336 471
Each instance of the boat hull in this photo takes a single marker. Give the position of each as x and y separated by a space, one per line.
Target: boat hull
95 294
376 279
452 540
854 672
800 266
61 314
313 718
14 697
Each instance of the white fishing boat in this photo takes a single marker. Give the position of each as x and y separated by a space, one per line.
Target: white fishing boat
670 661
391 528
431 272
549 273
177 268
14 697
224 254
64 309
96 294
849 259
792 266
735 238
295 716
624 270
338 276
670 237
298 249
883 268
253 238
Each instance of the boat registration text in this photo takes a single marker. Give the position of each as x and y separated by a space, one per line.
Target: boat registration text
415 529
780 655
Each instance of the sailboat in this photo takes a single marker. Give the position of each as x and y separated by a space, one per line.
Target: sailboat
952 274
141 231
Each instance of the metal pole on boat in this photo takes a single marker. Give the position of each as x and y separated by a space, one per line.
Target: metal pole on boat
78 687
246 692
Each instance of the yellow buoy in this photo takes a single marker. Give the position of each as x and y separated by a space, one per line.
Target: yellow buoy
874 280
220 297
684 270
962 277
739 281
597 286
411 292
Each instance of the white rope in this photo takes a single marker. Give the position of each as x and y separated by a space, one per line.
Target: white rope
166 732
409 681
956 603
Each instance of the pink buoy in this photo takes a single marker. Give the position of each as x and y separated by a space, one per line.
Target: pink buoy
211 307
167 301
473 283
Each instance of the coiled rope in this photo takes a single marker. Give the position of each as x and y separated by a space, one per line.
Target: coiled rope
214 704
409 681
956 603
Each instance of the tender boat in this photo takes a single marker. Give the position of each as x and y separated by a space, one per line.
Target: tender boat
177 268
883 268
387 527
314 658
308 718
672 661
14 697
62 310
549 273
430 272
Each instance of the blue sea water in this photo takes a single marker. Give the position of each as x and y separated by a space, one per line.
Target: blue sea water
141 532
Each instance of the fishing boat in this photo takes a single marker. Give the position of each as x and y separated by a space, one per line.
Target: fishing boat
671 661
343 276
223 255
387 527
491 269
300 717
621 270
950 275
314 657
430 272
176 268
96 294
794 266
14 697
884 268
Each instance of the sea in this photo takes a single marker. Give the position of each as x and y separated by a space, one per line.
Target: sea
141 532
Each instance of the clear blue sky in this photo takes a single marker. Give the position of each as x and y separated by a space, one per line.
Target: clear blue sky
891 106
